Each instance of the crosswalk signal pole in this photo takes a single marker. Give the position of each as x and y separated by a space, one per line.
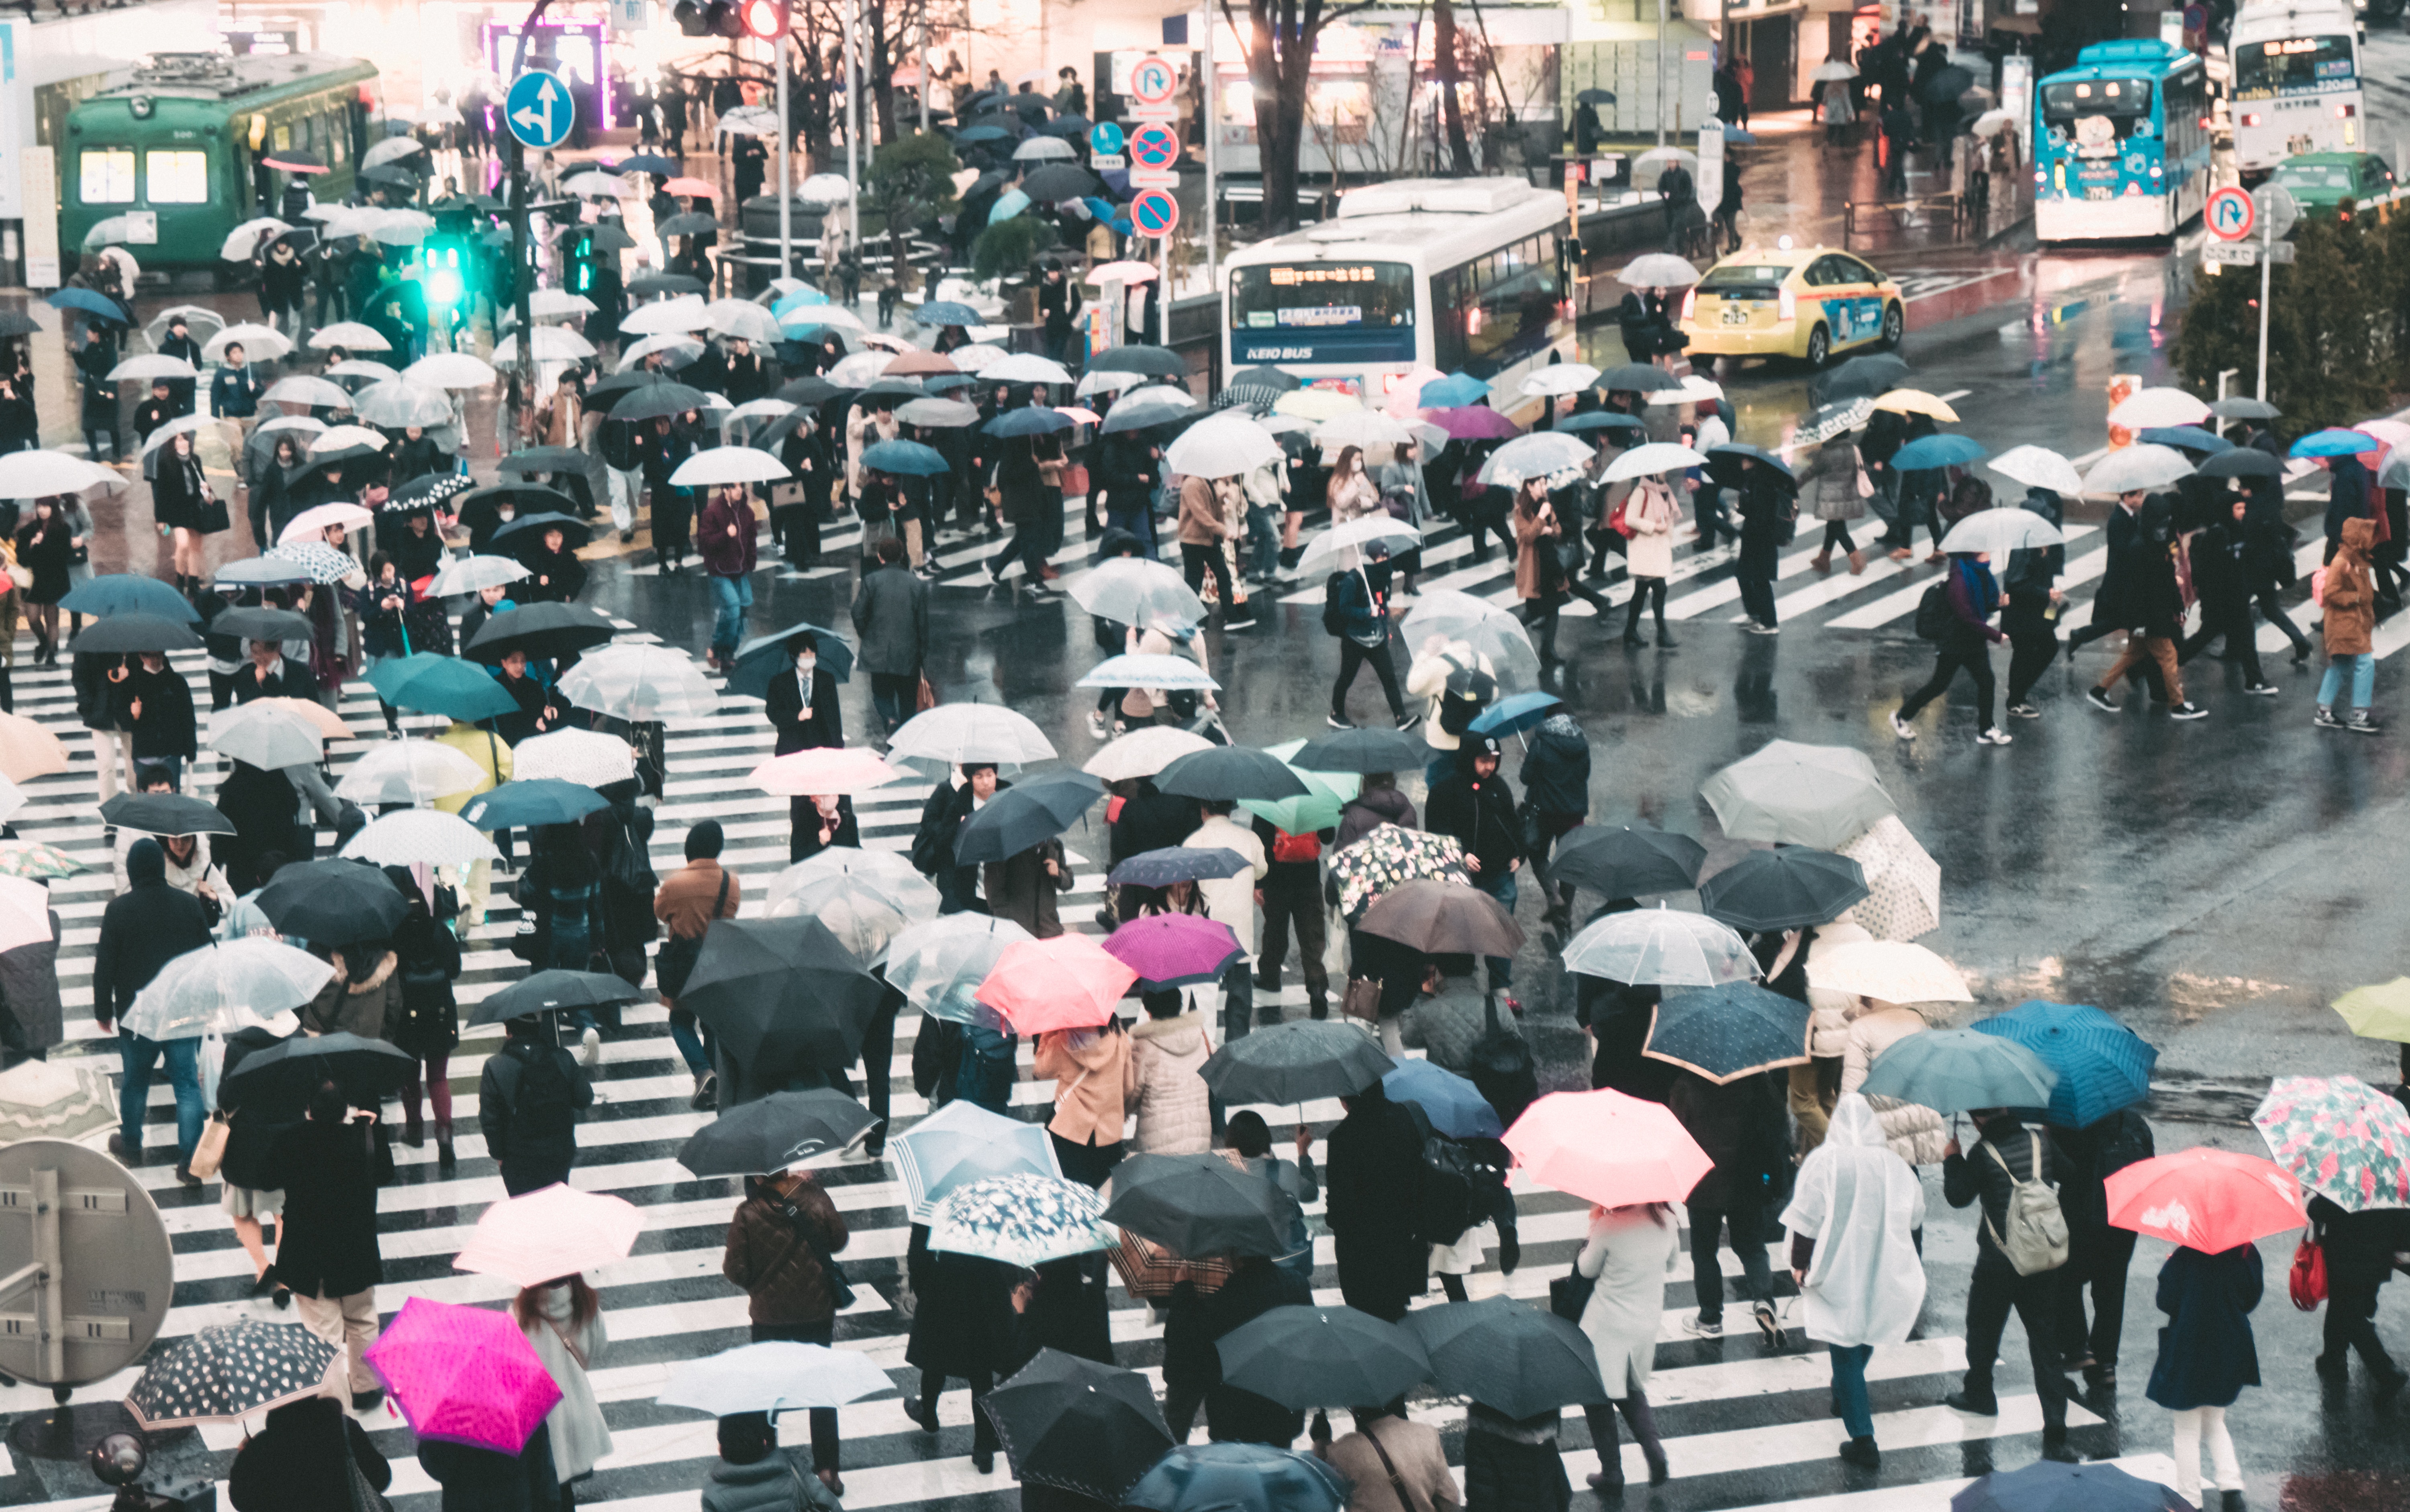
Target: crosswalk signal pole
2267 261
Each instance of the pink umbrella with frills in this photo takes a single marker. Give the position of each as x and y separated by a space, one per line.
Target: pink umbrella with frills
465 1375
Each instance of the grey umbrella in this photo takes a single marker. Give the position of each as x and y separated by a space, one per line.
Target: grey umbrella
1230 772
1819 795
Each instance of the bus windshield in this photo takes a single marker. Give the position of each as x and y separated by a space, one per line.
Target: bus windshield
1345 297
2092 117
2292 66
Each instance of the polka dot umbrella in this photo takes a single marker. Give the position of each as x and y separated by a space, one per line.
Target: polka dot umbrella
223 1374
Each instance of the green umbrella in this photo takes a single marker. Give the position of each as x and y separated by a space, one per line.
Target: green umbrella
1318 808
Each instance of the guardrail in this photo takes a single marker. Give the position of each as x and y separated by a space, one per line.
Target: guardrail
1949 209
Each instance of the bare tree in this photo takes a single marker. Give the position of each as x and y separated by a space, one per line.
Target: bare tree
1279 40
1448 63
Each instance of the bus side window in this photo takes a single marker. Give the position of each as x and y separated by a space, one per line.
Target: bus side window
1447 293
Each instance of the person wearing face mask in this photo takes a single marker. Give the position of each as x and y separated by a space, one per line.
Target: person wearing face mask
803 708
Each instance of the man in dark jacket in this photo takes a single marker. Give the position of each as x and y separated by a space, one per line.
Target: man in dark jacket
2097 1251
156 704
2153 612
728 537
327 1239
1740 1125
1374 1169
143 928
2008 1153
1556 794
2121 536
2347 496
271 676
2360 1248
1292 891
1768 503
235 389
2221 578
1474 804
891 614
949 806
659 451
1234 1415
526 1101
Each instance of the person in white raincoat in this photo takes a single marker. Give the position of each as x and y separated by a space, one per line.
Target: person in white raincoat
1627 1251
1853 1217
563 1319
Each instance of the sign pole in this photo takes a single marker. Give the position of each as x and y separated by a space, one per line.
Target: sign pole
1213 131
852 140
2267 262
786 181
522 269
1163 294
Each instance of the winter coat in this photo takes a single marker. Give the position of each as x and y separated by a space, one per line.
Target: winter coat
142 929
2032 570
2349 593
1168 1094
774 1260
1373 1168
1416 1452
368 1008
1916 1132
1067 1311
1231 900
1977 1177
288 1465
524 1154
1626 1252
1018 888
1556 768
1511 1465
251 1136
327 1244
1651 513
2206 1352
29 1016
2347 494
2121 534
1856 1209
1480 814
1233 1414
482 1481
725 554
580 1437
164 728
1828 1011
961 1317
1538 573
1095 1080
1203 520
428 962
1830 484
1740 1125
1371 810
890 614
781 1482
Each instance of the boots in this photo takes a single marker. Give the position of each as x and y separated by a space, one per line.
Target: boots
443 1159
1821 562
414 1129
1320 1006
1663 639
1857 561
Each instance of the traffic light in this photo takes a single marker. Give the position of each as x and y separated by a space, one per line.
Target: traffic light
577 265
443 260
765 19
690 19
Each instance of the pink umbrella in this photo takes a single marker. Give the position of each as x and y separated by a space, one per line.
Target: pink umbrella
1066 983
549 1233
1610 1148
1472 422
1174 950
1405 395
2210 1199
465 1375
824 771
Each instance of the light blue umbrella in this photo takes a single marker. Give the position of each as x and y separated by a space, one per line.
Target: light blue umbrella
908 456
1517 713
1932 453
962 1143
1020 1219
1454 390
1952 1070
2333 442
1007 205
798 299
1455 1106
2186 438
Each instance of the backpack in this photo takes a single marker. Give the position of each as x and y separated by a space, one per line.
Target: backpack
1501 1068
1288 847
541 1110
1933 615
629 887
1459 710
988 1067
1444 1206
2035 1236
1334 613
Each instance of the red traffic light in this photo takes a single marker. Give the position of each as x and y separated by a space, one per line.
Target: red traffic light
767 20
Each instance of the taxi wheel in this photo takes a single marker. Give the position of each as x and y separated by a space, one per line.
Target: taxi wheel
1820 345
1895 321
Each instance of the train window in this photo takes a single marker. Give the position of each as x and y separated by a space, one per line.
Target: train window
106 176
177 178
282 138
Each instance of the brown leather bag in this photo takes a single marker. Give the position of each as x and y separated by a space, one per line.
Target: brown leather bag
1363 998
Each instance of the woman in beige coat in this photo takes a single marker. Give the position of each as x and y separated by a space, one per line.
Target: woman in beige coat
1095 1080
1650 513
1914 1132
1627 1251
1817 1085
1174 1116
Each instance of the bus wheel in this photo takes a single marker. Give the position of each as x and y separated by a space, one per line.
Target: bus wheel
1820 345
2384 10
1895 321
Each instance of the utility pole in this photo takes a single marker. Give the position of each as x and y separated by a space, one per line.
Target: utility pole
2267 264
1660 72
1213 131
852 135
925 79
786 181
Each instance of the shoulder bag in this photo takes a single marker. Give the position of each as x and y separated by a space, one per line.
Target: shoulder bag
210 1153
1363 998
1569 1294
1397 1482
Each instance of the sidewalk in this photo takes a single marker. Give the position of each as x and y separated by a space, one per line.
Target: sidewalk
1793 185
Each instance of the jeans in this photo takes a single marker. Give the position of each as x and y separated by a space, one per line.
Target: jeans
1995 1289
1959 651
1263 538
892 694
1756 574
825 1442
1352 657
692 1048
139 1056
731 597
1139 523
2362 668
1501 887
1850 1387
1707 1277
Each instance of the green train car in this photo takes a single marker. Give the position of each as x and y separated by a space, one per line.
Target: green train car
176 147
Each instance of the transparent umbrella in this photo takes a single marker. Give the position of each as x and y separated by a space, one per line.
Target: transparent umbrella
638 683
956 733
1660 946
224 987
1132 591
889 871
1484 630
939 965
409 771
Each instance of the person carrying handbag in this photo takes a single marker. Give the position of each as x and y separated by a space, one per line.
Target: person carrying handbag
1542 580
1397 1465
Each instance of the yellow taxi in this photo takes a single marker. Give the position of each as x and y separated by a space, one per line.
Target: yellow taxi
1786 301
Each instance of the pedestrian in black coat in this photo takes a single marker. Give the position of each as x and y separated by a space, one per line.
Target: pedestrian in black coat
1474 804
527 1102
290 1464
2348 497
1556 798
247 1166
484 1480
1513 1464
2098 1251
1374 1167
803 726
1191 1365
156 704
1064 1308
2206 1354
962 1327
2008 1152
426 957
326 1249
1740 1125
2222 571
2360 1249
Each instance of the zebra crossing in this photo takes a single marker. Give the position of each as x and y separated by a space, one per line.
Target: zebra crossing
1746 1425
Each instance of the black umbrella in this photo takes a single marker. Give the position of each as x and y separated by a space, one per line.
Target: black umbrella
1201 1204
481 507
693 223
1058 181
545 991
429 491
1637 378
333 902
1322 1357
1595 97
1239 1477
18 323
165 813
1280 378
1443 919
1723 465
1866 377
1782 889
1090 1428
653 284
620 383
1628 862
1154 361
781 993
1514 1358
1294 1062
1226 774
655 400
291 1071
261 624
1026 814
125 633
1946 85
774 1132
1728 1032
544 460
542 630
902 387
400 178
574 533
605 237
2242 462
1362 751
809 390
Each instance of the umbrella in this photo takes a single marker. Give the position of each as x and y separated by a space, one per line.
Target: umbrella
436 684
2250 462
946 312
301 388
1175 950
227 1372
958 733
2157 406
542 631
1029 421
266 737
550 343
314 523
1362 428
333 902
1389 857
1294 1062
762 659
545 991
2243 407
887 872
1454 391
224 987
1937 451
1317 809
1904 897
1891 971
1956 1071
960 1143
774 1132
1454 1106
261 624
1227 774
1090 1428
2334 441
1026 814
86 301
1783 889
716 465
289 1072
550 1232
124 634
1175 864
1131 591
1222 445
1539 455
1662 946
413 837
1833 69
532 803
1023 1219
160 813
2186 438
1024 368
1819 795
1201 1204
1628 862
781 993
317 562
908 458
1946 83
943 413
773 1377
32 858
24 912
1322 1357
1143 751
2137 468
1514 714
1066 983
1651 458
464 1376
2000 532
2210 1199
1514 1358
27 751
1612 1149
939 965
2052 1486
36 474
1728 1032
2103 1066
640 683
1915 402
152 365
1342 547
2379 1013
1473 424
1237 1477
1492 637
2339 1136
451 370
1316 405
410 772
1600 420
1440 918
1361 750
399 403
1637 378
857 911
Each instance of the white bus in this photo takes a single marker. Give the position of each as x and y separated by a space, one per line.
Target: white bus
2296 82
1454 274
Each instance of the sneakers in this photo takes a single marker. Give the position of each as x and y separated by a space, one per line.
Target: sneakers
134 1157
1407 721
1993 737
1767 1323
365 1401
1862 1453
2024 711
589 1048
1248 623
1096 724
2187 710
1702 1327
2261 689
1336 722
1901 727
2098 698
1756 629
1974 1403
2325 720
2361 724
706 1092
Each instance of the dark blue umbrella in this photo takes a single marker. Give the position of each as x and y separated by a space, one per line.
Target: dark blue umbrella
1937 451
87 301
129 593
908 456
2103 1066
1515 715
2055 1486
1727 1032
947 312
1455 1106
1028 420
765 656
1067 125
649 163
2186 438
1025 814
1601 420
532 804
1723 463
1177 864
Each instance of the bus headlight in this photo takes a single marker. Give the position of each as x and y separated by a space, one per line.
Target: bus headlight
2040 175
2156 171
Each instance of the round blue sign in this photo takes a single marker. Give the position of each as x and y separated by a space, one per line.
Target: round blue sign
1105 138
538 108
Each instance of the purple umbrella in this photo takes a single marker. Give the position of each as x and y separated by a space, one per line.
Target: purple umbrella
1174 950
1473 423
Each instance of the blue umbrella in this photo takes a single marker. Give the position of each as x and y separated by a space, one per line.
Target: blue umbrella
531 804
1455 1106
1935 452
1453 392
947 312
1028 420
1007 205
2330 442
1067 125
980 133
649 163
1242 1477
447 686
1601 420
1515 715
908 456
796 299
2189 438
1952 1070
1724 1033
128 593
1177 864
760 660
87 301
2103 1066
2053 1485
946 383
1101 207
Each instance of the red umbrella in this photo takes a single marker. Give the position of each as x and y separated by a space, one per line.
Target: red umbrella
1066 983
1612 1149
2209 1200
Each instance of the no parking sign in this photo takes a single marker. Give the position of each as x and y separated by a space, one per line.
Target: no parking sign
1154 213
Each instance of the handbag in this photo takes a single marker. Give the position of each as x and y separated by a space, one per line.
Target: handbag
2309 1277
364 1497
1363 998
208 1153
925 697
1569 1294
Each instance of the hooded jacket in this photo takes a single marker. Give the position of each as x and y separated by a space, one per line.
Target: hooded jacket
2032 570
1852 1218
1371 810
2349 593
1916 1132
1556 769
142 929
1168 1094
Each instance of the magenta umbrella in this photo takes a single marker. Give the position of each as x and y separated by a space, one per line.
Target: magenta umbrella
1472 422
1173 949
465 1375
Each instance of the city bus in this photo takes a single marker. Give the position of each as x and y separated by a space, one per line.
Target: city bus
2296 82
1461 275
2121 144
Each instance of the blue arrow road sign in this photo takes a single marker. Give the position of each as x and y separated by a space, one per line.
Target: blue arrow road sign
1105 138
539 109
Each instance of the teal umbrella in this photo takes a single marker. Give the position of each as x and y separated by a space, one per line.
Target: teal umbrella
1953 1070
1318 808
2103 1066
1007 205
432 684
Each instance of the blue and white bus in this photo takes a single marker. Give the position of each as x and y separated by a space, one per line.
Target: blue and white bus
2297 86
2121 144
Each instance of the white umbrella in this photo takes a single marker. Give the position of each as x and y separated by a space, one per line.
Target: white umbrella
314 523
410 772
956 733
451 370
1651 458
943 413
1023 368
594 185
684 348
1832 69
338 437
226 987
826 189
1044 149
1535 456
1903 883
301 388
242 244
2000 530
1992 122
1888 970
585 756
638 682
367 368
1140 671
889 871
258 342
351 336
1162 395
1363 428
826 314
780 1376
1143 752
1224 446
152 365
550 343
1661 947
978 357
860 370
2152 407
1560 378
412 836
1128 270
1695 389
1092 381
743 317
1342 546
685 312
2131 469
2037 467
1659 270
728 464
266 737
749 120
391 150
557 304
398 227
41 474
469 574
397 402
185 423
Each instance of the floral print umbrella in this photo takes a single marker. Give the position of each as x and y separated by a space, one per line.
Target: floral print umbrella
33 859
1020 1219
2341 1138
221 1374
1903 883
1389 856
